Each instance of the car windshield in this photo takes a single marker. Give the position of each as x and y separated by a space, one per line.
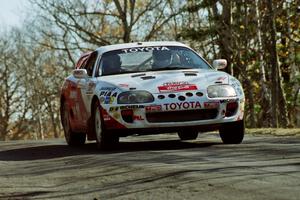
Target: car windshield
154 58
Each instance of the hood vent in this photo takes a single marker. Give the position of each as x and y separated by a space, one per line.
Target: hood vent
147 77
190 74
137 75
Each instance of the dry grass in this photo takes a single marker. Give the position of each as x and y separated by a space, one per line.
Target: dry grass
274 131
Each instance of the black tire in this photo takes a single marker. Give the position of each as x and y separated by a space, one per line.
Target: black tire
72 138
103 139
188 135
232 133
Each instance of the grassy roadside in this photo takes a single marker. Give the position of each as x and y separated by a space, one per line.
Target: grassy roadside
274 131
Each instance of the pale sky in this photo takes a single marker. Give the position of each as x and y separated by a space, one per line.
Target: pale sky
12 12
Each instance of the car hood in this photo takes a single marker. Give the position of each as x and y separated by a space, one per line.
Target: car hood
166 81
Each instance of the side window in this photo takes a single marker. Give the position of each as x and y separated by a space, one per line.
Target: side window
90 63
81 62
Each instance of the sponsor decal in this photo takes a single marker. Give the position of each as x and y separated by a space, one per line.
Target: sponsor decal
153 108
123 85
221 78
116 108
176 86
145 49
108 93
106 117
116 115
110 122
102 99
138 118
131 107
113 109
182 105
211 105
108 88
109 99
227 100
106 100
112 99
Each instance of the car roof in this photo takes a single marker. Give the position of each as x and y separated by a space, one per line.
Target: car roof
107 48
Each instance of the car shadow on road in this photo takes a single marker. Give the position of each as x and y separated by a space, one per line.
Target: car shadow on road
61 150
159 145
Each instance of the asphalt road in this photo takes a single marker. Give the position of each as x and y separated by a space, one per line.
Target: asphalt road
153 167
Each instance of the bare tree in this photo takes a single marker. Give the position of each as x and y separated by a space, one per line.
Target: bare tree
13 102
278 95
103 22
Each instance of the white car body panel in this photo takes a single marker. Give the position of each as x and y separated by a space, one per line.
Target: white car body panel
177 82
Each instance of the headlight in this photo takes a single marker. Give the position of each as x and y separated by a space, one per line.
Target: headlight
216 91
135 97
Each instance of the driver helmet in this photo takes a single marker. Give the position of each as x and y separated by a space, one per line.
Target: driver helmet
161 58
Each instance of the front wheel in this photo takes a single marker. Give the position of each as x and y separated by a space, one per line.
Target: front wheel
233 132
103 140
72 138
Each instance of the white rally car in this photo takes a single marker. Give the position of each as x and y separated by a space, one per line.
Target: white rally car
149 88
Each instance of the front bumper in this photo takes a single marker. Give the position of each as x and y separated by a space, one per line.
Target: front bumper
174 113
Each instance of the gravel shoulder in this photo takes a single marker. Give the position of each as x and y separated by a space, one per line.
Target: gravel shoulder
275 131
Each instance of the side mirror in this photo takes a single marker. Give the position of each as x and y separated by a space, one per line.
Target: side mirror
80 73
220 63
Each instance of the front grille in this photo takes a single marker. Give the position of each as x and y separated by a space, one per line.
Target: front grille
181 116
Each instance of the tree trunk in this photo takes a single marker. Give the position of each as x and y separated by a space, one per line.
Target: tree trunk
274 64
282 105
52 117
250 96
40 127
123 17
278 94
264 91
224 22
56 135
294 69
